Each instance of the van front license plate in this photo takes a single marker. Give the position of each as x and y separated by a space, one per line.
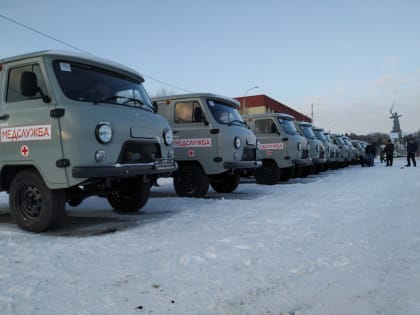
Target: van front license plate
162 164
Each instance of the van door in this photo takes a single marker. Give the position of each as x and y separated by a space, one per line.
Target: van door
193 136
272 145
29 135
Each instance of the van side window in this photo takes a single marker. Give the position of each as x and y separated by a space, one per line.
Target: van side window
186 112
265 126
14 93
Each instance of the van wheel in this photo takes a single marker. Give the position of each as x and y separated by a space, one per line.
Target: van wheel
226 183
131 197
35 207
267 174
285 174
190 181
307 170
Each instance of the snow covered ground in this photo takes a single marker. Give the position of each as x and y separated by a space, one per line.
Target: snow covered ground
343 242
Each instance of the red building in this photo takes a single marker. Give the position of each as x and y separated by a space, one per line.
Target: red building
259 104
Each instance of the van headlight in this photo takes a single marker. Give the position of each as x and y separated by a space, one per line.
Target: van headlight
237 142
168 136
103 132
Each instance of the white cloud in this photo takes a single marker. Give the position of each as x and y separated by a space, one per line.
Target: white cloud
384 81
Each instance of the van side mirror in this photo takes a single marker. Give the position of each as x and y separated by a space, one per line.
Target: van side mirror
28 84
155 106
199 116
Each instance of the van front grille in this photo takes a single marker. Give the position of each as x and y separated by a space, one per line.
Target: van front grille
138 152
249 154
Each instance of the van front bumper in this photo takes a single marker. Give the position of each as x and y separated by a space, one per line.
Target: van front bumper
125 170
319 161
231 165
302 162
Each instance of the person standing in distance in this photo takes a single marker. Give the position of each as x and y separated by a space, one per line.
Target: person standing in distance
389 153
369 154
411 151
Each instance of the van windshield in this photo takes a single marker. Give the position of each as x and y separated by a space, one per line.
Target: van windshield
87 83
328 137
308 132
288 126
340 141
225 113
320 135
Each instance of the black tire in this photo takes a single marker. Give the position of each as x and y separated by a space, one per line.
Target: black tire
131 197
297 171
307 170
267 174
226 183
285 174
35 207
190 181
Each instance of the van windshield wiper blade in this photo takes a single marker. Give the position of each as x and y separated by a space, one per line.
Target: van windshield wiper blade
237 121
113 98
126 100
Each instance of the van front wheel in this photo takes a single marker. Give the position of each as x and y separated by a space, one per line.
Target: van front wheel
131 197
226 183
267 174
191 181
35 207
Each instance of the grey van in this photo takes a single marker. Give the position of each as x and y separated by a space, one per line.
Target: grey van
213 145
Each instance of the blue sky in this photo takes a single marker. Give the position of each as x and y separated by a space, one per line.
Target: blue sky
350 59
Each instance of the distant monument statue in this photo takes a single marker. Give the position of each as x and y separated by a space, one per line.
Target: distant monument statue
396 122
396 133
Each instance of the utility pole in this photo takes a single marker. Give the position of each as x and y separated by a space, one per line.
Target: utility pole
244 105
312 112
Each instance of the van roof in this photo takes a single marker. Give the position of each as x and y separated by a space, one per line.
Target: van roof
197 95
304 123
266 115
71 54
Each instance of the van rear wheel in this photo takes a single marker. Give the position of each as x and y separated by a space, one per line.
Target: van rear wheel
131 197
35 207
191 181
226 183
267 174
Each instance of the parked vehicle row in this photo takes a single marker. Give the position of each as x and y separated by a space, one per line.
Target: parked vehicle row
74 126
283 151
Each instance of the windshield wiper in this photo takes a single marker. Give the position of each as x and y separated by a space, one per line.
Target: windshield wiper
236 121
127 100
116 97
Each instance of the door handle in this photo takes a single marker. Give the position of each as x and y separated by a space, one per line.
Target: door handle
4 117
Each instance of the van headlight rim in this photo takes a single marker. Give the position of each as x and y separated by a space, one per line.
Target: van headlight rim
237 142
103 132
168 136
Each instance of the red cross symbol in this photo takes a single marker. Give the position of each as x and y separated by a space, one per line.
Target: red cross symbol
24 150
191 153
269 153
